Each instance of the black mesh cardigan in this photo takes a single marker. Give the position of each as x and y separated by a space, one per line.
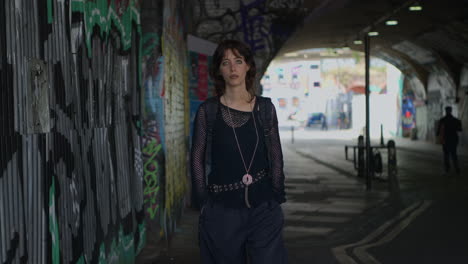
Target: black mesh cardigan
201 148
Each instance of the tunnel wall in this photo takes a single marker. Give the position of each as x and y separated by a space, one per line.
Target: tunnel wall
463 104
71 160
441 93
443 83
90 106
176 109
153 134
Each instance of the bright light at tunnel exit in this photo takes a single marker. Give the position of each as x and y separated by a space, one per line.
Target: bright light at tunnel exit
327 96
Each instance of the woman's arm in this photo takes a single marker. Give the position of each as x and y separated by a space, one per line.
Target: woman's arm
276 155
199 137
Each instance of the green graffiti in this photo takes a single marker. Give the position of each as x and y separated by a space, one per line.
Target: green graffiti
50 16
151 168
152 39
114 253
53 225
153 210
77 6
81 260
122 250
102 254
139 127
105 15
127 247
142 241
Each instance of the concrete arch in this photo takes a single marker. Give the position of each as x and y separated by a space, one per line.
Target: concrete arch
430 47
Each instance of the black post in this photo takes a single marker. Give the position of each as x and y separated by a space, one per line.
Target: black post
361 156
368 148
381 136
393 184
292 134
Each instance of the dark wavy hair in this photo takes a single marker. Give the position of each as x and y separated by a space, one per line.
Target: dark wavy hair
237 48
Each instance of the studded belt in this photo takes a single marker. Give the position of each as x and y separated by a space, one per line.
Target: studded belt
217 188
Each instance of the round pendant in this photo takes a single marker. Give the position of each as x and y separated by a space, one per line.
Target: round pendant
247 179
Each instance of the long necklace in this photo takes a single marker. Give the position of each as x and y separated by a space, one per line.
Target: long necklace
247 178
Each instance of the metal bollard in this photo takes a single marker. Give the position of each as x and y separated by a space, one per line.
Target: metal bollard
393 184
292 134
381 136
361 168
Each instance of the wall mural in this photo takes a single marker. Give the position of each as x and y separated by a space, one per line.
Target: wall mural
200 84
263 24
71 166
463 113
175 83
153 140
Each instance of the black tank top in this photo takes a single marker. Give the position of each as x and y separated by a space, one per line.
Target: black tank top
227 166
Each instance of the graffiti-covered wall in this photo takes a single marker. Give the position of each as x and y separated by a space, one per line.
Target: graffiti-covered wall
463 104
71 171
153 142
440 83
175 91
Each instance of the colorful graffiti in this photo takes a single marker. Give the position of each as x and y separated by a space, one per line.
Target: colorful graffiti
105 15
153 140
262 24
72 184
408 119
151 178
200 85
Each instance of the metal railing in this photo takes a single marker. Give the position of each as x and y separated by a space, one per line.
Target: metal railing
376 162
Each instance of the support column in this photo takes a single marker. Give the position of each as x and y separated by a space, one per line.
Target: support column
367 136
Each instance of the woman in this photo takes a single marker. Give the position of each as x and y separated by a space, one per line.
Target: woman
237 166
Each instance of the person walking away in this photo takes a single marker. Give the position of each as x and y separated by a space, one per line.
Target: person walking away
324 122
447 132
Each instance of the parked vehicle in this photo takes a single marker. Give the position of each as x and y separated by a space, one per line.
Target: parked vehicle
316 119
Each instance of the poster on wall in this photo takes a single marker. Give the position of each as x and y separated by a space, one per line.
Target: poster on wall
200 51
408 116
200 85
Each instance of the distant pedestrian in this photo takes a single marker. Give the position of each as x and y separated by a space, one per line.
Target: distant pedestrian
324 122
447 133
237 166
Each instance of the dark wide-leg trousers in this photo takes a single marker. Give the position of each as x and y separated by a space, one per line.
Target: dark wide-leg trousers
231 236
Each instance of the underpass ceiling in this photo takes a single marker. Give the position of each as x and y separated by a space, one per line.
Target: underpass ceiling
437 35
264 25
441 27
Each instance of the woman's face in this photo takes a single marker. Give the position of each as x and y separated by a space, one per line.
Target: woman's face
233 68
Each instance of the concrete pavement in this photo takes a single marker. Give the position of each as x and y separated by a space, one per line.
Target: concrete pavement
330 217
